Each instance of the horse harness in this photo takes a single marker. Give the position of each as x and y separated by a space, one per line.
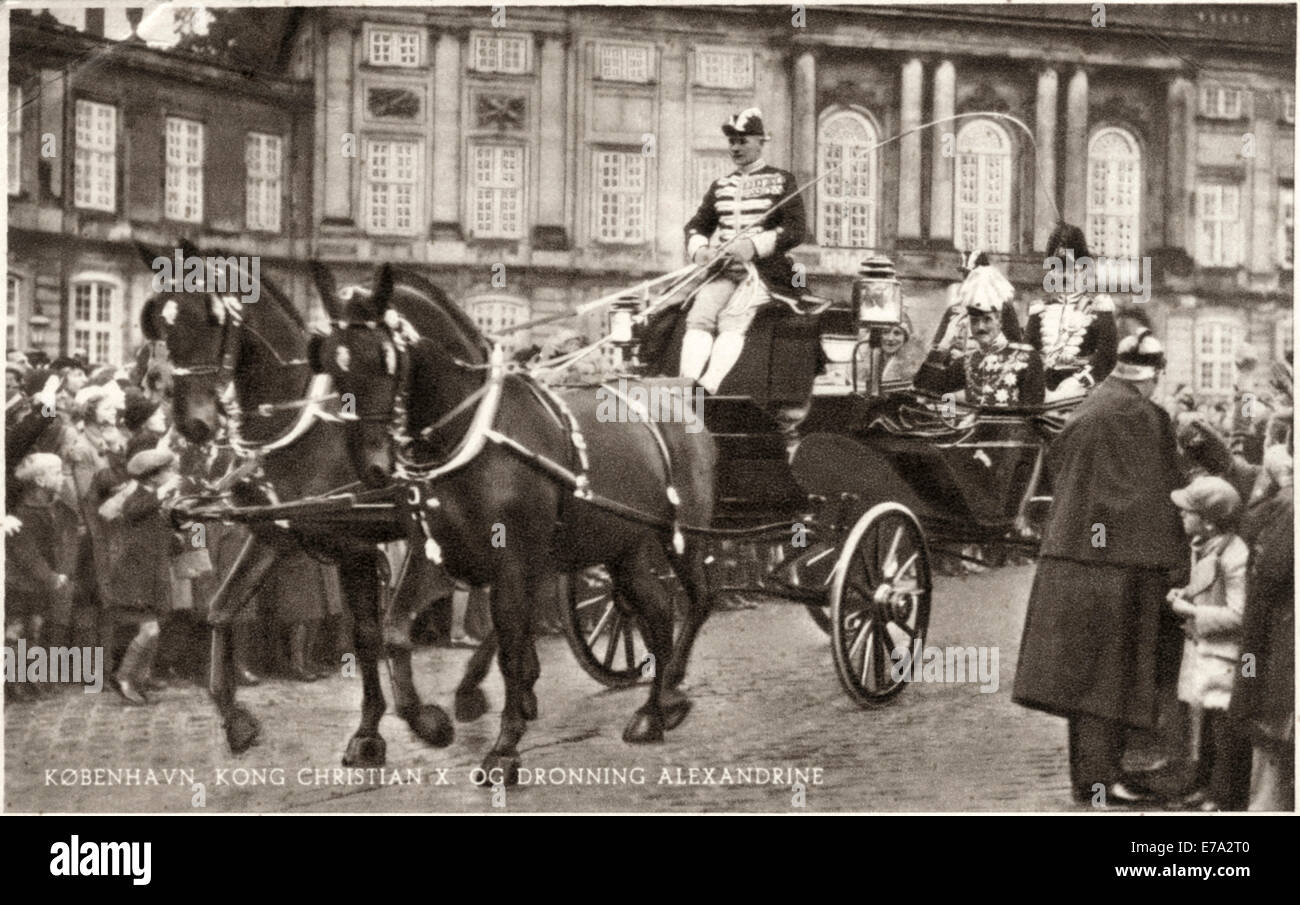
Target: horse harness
419 478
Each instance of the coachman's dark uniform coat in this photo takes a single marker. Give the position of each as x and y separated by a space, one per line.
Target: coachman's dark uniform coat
1097 637
739 202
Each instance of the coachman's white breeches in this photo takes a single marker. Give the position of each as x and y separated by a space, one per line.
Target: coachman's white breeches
724 306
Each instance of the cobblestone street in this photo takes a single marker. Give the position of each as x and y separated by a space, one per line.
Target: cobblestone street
765 695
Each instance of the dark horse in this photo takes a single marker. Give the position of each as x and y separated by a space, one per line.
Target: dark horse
501 509
261 349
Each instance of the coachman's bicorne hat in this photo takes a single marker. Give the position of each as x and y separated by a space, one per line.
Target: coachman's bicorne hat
746 122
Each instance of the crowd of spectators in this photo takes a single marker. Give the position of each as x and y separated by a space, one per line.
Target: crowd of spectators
93 558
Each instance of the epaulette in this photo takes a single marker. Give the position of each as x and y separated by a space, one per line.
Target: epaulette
1103 302
1037 308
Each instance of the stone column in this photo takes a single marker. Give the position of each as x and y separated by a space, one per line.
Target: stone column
551 194
909 151
1045 171
1178 190
1076 149
338 124
445 159
803 103
943 138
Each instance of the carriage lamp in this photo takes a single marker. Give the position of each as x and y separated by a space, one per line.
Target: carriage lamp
878 301
621 333
877 294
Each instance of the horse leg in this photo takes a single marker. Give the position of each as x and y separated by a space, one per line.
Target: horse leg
635 578
241 582
429 722
357 573
694 577
471 702
511 618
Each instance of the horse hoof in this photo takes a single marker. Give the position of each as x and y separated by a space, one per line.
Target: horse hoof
470 705
365 751
242 730
500 769
644 729
528 705
430 724
675 712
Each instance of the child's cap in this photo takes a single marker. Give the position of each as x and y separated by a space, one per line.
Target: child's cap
1212 498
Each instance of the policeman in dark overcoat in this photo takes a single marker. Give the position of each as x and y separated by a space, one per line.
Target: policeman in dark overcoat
1095 643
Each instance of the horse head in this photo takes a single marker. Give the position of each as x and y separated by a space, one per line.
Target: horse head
402 332
365 356
203 334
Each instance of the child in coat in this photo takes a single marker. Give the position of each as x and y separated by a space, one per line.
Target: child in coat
1212 603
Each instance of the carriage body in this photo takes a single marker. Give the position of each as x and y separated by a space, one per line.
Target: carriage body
881 480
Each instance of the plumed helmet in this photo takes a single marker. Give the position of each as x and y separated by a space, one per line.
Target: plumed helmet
1140 357
746 122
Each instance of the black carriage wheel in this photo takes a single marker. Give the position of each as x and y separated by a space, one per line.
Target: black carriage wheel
880 603
604 633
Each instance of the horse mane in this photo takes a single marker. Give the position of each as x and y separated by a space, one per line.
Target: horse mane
466 331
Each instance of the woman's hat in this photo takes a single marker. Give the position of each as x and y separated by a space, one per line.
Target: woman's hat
1214 499
149 462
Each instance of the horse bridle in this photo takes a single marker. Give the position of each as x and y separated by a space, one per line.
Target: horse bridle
223 372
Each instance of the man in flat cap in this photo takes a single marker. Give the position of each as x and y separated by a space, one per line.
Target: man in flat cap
752 202
1098 646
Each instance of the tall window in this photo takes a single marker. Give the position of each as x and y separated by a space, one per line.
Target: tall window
184 170
262 163
983 198
13 312
724 67
1216 351
709 167
1114 190
95 166
497 192
623 62
620 189
1220 101
94 321
1218 225
15 138
501 53
1286 227
390 190
846 196
394 47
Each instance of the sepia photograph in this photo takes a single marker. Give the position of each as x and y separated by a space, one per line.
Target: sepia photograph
649 408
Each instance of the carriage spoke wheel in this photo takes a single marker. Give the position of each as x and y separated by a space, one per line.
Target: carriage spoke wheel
605 634
880 603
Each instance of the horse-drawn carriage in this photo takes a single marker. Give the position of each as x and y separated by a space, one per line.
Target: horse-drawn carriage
455 452
882 477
